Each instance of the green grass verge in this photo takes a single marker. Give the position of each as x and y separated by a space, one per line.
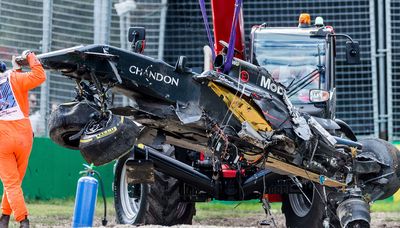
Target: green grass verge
51 212
222 209
254 205
66 206
250 205
384 206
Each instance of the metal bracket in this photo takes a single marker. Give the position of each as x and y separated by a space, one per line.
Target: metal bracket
141 170
100 91
115 71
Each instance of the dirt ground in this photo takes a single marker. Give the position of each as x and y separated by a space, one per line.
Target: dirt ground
379 220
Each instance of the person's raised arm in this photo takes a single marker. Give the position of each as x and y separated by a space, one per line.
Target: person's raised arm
35 77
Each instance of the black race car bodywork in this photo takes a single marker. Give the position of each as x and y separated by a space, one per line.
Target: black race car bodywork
250 130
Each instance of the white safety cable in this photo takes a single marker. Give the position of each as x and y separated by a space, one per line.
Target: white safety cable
298 184
229 107
267 205
324 199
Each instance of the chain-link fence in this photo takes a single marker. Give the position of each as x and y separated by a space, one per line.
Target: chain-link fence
185 34
144 13
355 84
20 29
393 66
71 23
180 31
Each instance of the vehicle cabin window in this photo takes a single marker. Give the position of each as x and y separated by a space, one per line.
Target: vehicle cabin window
290 57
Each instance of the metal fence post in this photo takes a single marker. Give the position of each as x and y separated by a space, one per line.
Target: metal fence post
108 22
101 21
389 73
105 22
124 22
374 70
46 46
97 21
123 43
163 18
381 54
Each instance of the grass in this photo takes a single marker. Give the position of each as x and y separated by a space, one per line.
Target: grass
245 206
384 206
59 212
220 209
254 205
227 210
66 206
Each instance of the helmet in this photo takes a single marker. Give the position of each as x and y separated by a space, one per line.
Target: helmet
3 66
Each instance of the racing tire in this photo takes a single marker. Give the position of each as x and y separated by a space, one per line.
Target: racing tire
388 154
300 213
158 203
345 131
108 139
67 120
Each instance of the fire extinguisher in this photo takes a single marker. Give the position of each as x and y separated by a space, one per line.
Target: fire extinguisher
85 199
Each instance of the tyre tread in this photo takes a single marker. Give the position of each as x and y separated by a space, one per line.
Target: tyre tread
162 201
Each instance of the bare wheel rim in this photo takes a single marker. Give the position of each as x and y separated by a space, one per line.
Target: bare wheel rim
300 205
130 205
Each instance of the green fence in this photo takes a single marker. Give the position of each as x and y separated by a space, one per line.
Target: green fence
53 172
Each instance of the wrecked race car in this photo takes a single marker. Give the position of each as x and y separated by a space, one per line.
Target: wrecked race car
213 135
232 132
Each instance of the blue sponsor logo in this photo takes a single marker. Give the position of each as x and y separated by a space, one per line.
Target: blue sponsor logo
7 99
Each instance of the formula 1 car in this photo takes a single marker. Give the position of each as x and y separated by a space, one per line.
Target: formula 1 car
221 134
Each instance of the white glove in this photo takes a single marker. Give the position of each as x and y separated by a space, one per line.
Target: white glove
25 54
15 65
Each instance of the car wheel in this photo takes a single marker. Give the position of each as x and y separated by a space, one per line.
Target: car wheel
108 139
301 211
67 120
158 203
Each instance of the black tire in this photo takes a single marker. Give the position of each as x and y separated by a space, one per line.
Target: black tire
164 205
125 196
345 131
300 213
159 202
108 139
388 154
67 120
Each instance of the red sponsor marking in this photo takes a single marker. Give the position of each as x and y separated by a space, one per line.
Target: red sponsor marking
244 76
272 117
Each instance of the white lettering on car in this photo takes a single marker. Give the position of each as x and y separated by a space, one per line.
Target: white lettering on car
268 84
156 76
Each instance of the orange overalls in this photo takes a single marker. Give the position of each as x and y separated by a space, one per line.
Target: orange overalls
16 135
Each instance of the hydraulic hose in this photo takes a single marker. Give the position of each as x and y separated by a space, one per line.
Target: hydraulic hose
104 221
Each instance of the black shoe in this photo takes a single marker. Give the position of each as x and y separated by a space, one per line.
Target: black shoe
24 223
4 220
